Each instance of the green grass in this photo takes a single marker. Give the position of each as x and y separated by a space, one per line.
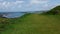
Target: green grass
34 24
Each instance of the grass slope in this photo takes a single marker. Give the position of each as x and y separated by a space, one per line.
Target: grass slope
35 24
54 11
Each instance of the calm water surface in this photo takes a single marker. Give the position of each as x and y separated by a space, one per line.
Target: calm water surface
13 14
16 14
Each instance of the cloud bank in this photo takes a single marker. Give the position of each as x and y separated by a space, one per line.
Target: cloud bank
9 5
27 5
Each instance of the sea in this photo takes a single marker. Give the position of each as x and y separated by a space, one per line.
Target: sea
16 14
12 14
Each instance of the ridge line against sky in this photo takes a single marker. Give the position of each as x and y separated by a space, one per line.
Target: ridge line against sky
27 5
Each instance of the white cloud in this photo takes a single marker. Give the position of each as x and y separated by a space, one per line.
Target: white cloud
19 2
26 5
35 1
8 5
38 1
41 3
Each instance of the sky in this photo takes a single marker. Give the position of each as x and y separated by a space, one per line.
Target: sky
27 5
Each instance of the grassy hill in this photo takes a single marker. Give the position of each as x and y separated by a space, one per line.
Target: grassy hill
33 24
54 11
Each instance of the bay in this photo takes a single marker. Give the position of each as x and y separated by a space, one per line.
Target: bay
12 14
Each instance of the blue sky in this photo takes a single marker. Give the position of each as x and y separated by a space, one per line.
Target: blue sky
27 5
